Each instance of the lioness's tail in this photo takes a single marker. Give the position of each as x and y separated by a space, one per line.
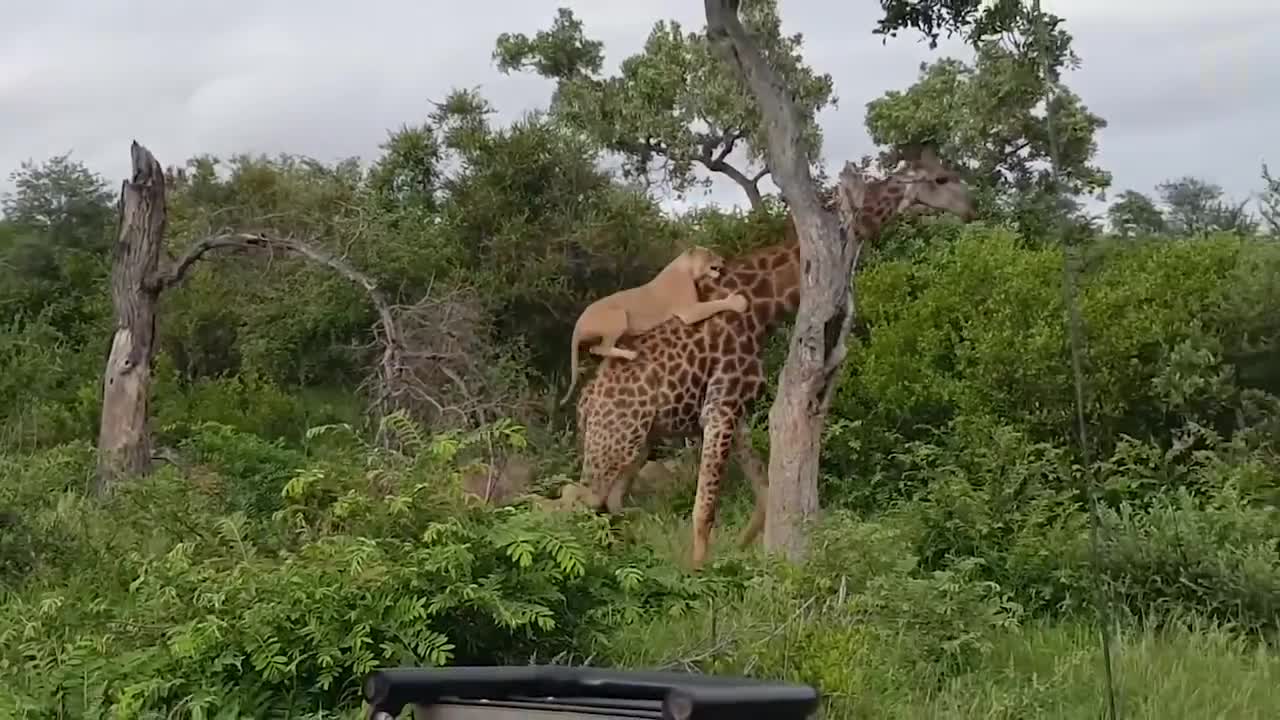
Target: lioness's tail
573 364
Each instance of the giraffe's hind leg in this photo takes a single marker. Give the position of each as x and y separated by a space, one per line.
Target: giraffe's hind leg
754 467
717 438
622 483
609 461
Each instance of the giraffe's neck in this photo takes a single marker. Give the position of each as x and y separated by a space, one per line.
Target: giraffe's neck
878 205
770 276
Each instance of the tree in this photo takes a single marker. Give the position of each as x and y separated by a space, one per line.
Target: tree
124 441
676 105
62 200
825 314
1269 200
975 20
1197 207
422 345
55 221
989 118
408 173
1134 214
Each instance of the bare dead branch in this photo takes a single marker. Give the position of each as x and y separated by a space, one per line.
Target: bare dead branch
424 350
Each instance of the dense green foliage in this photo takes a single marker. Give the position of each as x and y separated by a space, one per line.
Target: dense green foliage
676 105
280 549
271 575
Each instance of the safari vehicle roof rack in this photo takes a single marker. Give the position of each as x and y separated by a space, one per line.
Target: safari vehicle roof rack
553 692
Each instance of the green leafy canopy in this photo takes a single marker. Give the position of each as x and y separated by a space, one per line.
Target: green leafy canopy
675 106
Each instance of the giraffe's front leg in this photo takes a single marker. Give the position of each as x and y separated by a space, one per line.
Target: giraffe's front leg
717 438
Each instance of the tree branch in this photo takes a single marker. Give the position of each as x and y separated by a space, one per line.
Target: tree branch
1009 153
176 270
749 186
728 141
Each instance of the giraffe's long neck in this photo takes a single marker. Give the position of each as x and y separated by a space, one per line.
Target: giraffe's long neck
770 276
879 204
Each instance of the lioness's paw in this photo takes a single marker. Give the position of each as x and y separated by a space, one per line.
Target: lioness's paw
738 302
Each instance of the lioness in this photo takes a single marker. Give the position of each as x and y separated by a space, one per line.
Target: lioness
639 309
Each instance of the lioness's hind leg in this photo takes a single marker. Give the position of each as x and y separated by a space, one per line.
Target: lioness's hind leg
622 481
611 351
609 336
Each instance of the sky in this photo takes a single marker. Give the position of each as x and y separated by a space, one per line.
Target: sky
1188 87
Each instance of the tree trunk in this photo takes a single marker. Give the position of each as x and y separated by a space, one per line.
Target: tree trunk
825 314
124 444
805 386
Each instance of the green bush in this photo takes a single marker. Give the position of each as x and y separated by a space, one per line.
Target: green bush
987 491
975 328
39 492
1217 555
1190 528
859 619
168 598
49 390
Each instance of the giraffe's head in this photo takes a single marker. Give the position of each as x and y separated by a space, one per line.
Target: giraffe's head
927 185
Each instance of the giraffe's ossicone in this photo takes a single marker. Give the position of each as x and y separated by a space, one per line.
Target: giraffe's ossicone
704 378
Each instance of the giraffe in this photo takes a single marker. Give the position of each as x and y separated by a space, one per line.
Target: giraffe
704 378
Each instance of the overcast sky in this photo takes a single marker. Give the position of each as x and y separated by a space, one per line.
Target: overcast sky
1187 86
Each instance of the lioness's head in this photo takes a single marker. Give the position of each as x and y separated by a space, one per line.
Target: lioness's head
702 262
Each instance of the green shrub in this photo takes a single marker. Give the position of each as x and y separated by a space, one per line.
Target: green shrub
51 384
253 471
987 491
1216 555
40 495
1189 528
860 620
167 597
975 328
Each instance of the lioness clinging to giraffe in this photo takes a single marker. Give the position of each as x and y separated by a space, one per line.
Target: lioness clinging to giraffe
685 379
671 293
